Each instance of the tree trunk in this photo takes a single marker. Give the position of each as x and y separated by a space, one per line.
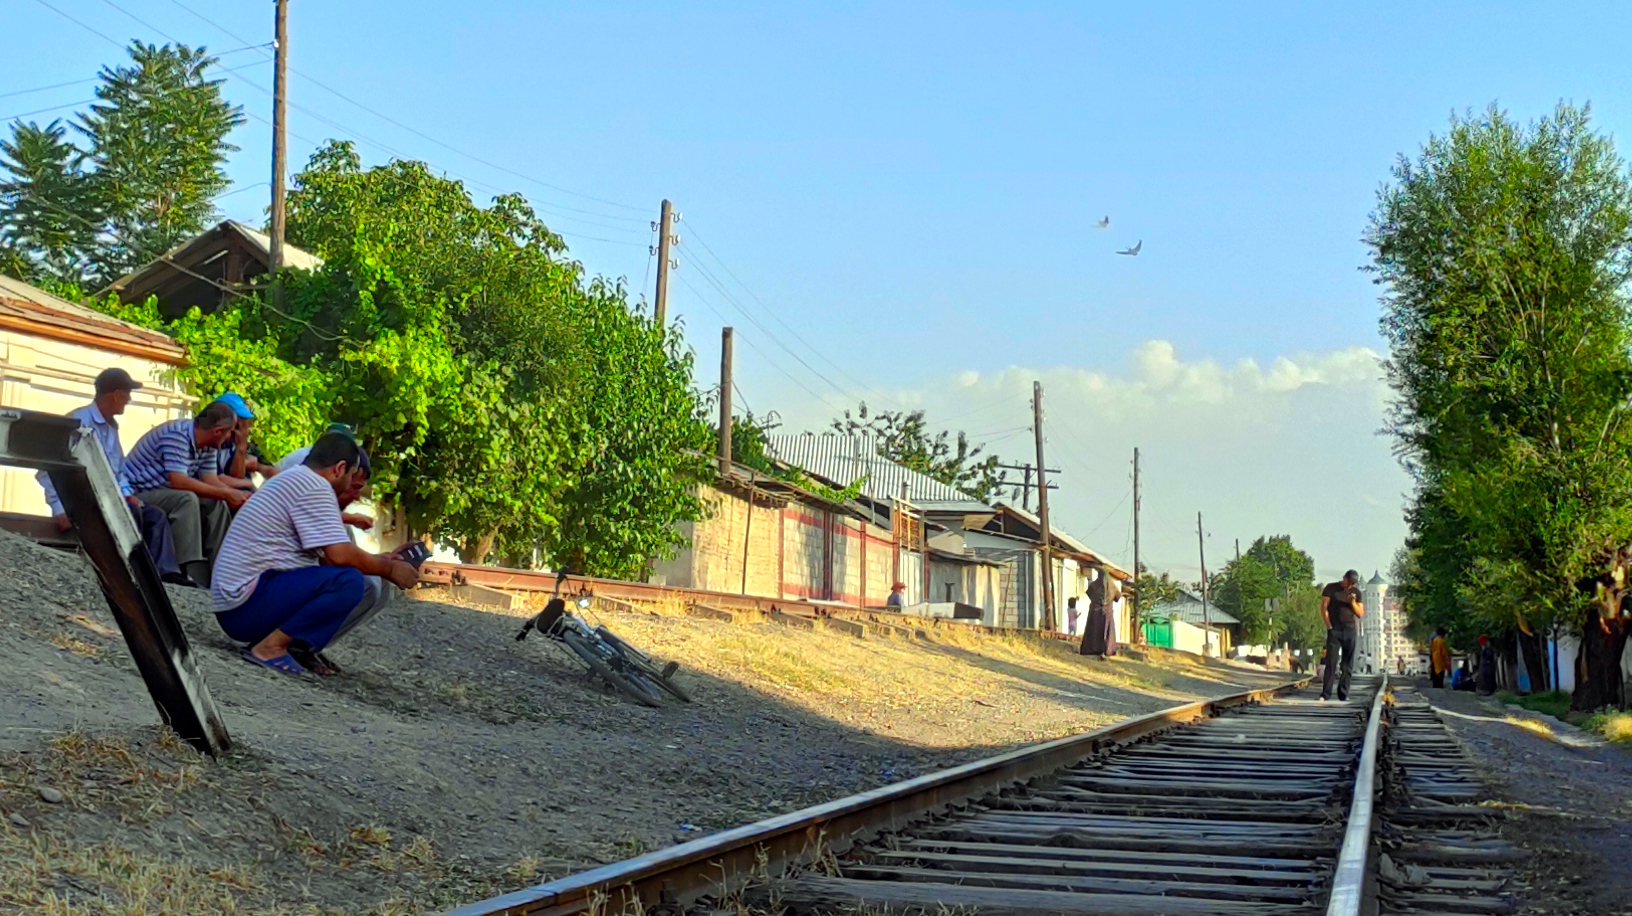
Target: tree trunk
475 550
1598 671
1533 648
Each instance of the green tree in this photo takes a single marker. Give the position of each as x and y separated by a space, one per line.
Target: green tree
1271 569
1298 621
515 404
46 184
145 177
1505 252
904 437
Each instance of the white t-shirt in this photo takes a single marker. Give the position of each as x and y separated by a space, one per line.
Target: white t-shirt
284 525
294 459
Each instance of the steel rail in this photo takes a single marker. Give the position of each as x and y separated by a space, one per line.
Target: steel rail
1349 877
679 875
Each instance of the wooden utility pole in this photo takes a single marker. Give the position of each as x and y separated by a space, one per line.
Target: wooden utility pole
665 231
1042 507
1206 615
1138 599
725 402
1025 490
280 127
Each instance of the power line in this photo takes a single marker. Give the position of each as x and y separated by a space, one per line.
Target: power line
80 24
24 114
777 365
345 98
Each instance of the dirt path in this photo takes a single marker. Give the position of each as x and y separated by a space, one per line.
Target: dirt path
452 762
1579 786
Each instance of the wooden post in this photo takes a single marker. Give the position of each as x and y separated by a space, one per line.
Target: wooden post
1042 507
725 402
1138 600
748 533
665 231
280 128
1206 615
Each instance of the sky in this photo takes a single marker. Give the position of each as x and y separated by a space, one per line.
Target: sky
896 202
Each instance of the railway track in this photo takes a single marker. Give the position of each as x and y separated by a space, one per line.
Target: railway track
1266 803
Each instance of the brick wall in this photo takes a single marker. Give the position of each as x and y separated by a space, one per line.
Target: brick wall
714 559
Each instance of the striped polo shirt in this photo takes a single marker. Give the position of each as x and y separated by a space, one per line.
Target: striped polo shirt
284 525
168 447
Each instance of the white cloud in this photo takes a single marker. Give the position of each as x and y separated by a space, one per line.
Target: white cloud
1291 448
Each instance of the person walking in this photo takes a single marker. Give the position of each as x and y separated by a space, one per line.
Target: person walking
1099 636
1439 657
1342 609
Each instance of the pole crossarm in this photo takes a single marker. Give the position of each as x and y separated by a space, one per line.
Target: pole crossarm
107 533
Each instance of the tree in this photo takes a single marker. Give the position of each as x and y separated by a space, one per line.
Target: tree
903 437
1505 252
1272 568
514 405
151 165
47 187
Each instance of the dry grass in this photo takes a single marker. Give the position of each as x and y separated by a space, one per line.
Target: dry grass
1616 726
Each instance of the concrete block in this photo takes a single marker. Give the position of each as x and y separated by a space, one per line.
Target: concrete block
788 620
847 627
710 613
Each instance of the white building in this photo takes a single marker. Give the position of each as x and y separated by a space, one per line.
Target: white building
1383 643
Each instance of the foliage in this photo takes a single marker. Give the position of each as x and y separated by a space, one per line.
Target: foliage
903 437
1153 590
1505 250
749 436
1272 568
146 177
1298 622
513 405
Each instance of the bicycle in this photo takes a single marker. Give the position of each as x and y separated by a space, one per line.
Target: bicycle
621 666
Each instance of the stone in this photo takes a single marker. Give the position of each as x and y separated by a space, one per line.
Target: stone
17 820
54 796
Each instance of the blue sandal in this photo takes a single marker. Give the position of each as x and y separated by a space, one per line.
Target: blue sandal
283 663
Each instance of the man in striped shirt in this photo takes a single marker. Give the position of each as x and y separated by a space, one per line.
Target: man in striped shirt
173 467
289 581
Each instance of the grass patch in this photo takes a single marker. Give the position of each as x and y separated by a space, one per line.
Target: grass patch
1555 703
1616 726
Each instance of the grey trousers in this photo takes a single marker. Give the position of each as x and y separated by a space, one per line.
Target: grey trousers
377 595
197 524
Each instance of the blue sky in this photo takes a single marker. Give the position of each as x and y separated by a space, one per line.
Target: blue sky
906 193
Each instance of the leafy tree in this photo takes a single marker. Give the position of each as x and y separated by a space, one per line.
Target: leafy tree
1272 568
1505 250
903 437
1298 621
144 180
1153 590
47 185
515 405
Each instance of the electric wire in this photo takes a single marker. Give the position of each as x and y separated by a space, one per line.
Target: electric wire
775 364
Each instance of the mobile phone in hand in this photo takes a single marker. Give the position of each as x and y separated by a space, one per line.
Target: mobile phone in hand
416 553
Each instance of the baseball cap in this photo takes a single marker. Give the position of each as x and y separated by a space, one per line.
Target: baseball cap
236 401
115 380
1352 574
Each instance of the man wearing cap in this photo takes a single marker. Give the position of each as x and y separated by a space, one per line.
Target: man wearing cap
239 458
174 467
1342 609
113 388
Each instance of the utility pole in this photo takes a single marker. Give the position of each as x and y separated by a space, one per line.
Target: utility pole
1042 507
725 402
1138 599
665 232
1025 489
1206 615
280 127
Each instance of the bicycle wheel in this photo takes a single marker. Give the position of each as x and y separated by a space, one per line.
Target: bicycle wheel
644 664
634 689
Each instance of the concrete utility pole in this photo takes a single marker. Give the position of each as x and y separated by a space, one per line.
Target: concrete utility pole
280 126
1206 615
665 232
1138 599
725 402
1042 507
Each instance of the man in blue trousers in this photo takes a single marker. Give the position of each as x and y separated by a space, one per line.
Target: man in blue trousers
288 580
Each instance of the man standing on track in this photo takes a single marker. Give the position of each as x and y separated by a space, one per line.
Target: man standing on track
1342 609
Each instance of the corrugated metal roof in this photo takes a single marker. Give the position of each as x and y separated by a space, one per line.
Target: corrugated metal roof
1188 608
1066 539
846 459
33 310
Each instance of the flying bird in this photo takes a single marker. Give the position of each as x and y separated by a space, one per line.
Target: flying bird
1134 251
1103 224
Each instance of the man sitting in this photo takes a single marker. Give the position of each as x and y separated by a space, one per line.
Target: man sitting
113 389
173 467
239 458
271 590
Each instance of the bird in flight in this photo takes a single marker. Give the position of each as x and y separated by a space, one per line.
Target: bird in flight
1134 251
1103 224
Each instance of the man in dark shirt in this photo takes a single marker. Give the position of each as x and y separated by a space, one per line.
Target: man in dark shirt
1342 608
